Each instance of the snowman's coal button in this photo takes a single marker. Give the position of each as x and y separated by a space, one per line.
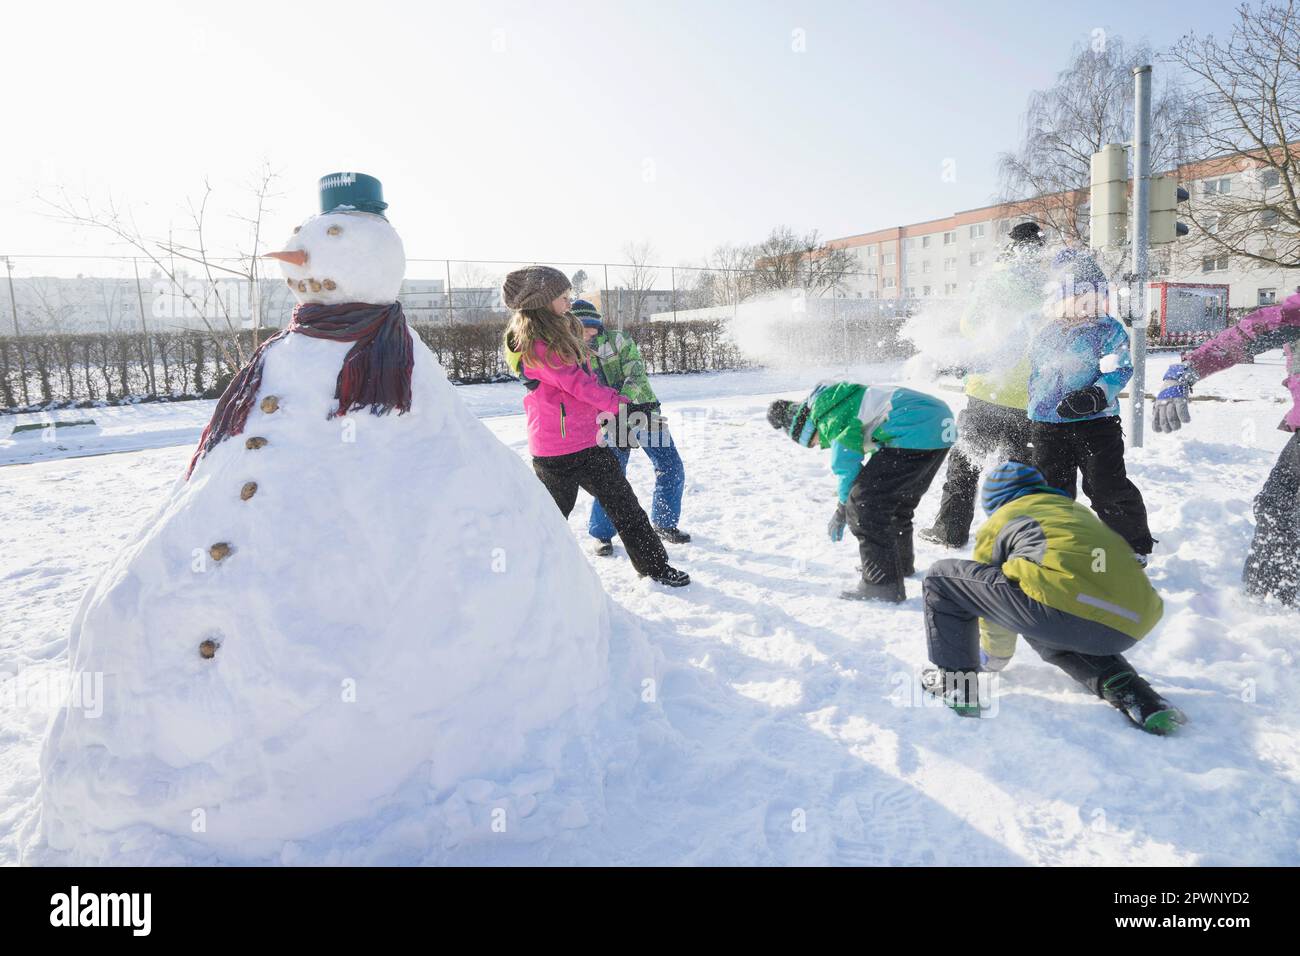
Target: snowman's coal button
208 650
290 282
330 285
315 286
270 403
219 551
302 286
249 489
255 443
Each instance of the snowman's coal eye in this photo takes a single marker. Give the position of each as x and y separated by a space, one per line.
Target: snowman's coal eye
333 230
296 229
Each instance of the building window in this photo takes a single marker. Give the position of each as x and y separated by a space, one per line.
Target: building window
1212 223
1214 264
1268 178
925 267
911 267
977 231
950 288
1212 186
1268 296
871 252
926 290
925 242
950 265
977 258
950 238
889 259
909 292
1268 219
889 282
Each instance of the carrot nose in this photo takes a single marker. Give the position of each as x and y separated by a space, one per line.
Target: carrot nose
297 257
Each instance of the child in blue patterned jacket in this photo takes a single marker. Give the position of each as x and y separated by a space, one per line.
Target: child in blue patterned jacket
1079 362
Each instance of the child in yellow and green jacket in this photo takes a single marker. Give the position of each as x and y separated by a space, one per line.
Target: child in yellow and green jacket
1047 568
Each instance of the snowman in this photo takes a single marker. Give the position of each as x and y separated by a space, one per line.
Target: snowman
355 591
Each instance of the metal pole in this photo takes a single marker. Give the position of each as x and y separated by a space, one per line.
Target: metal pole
1141 215
450 312
674 274
13 302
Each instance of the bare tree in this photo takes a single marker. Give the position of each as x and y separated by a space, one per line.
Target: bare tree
1249 87
475 294
728 276
641 278
211 304
1089 105
785 260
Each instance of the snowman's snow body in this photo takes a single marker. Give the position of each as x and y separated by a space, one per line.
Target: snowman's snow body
401 604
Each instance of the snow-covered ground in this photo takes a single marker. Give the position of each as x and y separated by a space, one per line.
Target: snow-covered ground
790 730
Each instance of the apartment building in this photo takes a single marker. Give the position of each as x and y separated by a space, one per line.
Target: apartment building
945 257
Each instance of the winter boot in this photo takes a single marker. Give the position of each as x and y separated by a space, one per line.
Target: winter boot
1141 704
890 591
936 536
603 548
673 535
907 554
670 577
957 689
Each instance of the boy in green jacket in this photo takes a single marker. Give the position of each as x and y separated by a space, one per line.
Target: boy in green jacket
617 362
905 435
1046 567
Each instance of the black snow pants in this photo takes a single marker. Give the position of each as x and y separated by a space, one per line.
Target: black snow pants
983 429
596 471
958 593
1273 563
1096 448
881 504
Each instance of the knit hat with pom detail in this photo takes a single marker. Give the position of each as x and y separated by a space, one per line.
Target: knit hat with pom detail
533 287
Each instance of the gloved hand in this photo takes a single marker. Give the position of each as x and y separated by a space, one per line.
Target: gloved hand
991 662
836 528
1083 402
1171 411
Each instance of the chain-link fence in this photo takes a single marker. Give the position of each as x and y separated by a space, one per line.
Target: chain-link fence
83 330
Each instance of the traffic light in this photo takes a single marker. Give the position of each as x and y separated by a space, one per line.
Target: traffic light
1108 199
1166 194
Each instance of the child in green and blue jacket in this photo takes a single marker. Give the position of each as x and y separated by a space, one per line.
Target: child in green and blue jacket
617 362
904 436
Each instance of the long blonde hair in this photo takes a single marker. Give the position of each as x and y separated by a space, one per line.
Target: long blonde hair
561 334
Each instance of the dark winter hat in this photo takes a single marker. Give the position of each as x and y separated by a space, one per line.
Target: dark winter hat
794 418
1026 233
1011 480
588 314
346 191
533 287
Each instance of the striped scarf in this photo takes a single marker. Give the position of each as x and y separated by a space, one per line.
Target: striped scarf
376 371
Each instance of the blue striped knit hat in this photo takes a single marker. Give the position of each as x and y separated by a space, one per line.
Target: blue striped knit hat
1011 480
587 314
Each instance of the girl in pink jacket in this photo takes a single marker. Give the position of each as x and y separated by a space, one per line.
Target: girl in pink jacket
566 405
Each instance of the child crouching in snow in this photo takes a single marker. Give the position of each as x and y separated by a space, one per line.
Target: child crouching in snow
544 346
906 435
1079 362
1047 568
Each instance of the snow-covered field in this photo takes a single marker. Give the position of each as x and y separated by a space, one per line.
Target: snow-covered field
787 728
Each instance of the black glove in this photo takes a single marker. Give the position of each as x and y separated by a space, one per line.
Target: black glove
836 528
1082 403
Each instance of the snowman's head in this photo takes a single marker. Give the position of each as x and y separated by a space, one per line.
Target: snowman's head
344 256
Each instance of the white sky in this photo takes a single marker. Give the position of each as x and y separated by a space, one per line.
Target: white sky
534 131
